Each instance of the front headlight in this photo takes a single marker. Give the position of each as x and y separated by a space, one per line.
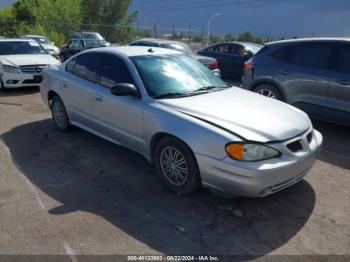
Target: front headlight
250 151
10 69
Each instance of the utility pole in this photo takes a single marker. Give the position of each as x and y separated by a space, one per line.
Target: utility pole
190 33
155 30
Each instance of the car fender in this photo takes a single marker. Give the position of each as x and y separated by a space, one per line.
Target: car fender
202 137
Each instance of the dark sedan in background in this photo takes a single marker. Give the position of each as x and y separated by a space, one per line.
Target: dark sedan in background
231 56
312 74
82 41
211 63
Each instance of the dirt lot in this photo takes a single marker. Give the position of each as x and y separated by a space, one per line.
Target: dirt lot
74 193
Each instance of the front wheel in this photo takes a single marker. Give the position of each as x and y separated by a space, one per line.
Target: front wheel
59 114
176 166
2 87
269 91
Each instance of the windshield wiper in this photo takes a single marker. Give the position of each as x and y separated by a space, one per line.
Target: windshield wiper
206 88
178 94
170 95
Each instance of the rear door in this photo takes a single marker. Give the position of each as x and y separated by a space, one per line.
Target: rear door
117 117
338 102
303 73
79 85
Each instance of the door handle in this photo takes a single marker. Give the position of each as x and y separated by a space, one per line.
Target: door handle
284 72
342 82
98 97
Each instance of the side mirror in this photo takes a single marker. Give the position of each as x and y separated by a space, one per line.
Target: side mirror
125 89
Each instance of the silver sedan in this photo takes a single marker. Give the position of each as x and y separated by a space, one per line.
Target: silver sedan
195 128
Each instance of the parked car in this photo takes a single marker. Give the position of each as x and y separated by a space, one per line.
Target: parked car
77 45
22 62
46 43
209 62
231 56
175 112
311 74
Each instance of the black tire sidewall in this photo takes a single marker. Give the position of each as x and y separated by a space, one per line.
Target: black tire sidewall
193 182
66 127
272 88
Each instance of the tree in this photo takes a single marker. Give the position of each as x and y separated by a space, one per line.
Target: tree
246 37
229 38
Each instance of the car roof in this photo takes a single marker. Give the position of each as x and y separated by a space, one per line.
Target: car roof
34 36
131 51
159 41
313 39
16 40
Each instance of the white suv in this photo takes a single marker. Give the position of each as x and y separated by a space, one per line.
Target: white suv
22 62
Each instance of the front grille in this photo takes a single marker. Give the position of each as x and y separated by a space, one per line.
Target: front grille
31 69
295 146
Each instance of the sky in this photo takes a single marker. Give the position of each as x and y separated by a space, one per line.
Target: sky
265 18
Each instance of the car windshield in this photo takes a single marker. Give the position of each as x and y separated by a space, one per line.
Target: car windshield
94 43
175 75
20 48
179 47
41 40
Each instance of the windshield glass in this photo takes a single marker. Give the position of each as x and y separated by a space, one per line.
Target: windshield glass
174 74
179 47
20 48
94 43
41 40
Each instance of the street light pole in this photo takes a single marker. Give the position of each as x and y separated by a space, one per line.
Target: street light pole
209 24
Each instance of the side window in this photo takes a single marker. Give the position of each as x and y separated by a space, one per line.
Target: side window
113 71
70 65
340 62
223 49
236 49
85 66
74 44
313 55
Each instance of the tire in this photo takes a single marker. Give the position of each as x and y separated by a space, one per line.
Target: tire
182 177
2 88
59 114
268 91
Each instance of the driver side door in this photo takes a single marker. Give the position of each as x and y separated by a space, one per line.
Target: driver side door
119 118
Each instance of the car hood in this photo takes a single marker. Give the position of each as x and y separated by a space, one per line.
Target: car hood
21 60
246 114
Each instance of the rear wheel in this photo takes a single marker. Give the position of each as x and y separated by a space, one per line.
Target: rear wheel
269 91
176 166
59 114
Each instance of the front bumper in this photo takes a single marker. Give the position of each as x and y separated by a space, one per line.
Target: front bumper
262 178
21 80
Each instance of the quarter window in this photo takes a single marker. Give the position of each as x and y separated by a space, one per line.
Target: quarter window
85 66
341 61
113 71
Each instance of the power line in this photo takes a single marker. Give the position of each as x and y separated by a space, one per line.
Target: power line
200 6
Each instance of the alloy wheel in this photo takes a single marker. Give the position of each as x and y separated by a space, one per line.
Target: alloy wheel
174 166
